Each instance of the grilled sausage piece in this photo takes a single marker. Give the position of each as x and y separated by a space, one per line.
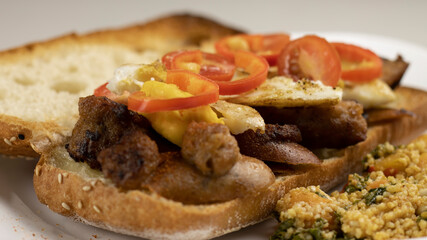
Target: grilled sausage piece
335 126
101 124
210 148
274 132
179 181
131 161
276 144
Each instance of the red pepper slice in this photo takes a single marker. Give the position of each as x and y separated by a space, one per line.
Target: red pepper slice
256 66
212 66
310 57
267 46
104 91
204 90
359 64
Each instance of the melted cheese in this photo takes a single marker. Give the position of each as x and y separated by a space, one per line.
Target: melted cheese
173 124
239 118
131 77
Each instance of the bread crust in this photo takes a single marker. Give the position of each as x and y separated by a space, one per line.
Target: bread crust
163 34
15 137
152 216
18 136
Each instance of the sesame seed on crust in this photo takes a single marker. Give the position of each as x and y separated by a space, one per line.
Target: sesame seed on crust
93 183
80 205
86 188
59 178
37 170
7 141
64 205
96 209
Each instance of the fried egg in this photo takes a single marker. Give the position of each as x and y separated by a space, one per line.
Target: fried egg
285 92
371 94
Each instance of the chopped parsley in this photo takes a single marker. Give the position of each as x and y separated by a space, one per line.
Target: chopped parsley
315 231
321 194
372 195
383 150
358 184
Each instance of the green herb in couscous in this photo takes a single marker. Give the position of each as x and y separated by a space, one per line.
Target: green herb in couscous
390 202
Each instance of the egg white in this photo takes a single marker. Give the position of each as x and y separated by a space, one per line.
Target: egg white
371 94
285 92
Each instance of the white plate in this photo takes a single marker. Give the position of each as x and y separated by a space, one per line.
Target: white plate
23 217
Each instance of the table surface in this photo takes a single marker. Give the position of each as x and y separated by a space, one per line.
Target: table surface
26 21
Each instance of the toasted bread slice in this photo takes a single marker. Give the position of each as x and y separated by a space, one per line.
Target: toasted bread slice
48 78
83 193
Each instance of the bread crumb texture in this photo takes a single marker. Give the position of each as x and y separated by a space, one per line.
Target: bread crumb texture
45 84
390 202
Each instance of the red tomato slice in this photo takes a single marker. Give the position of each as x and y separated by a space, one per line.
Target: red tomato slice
256 66
212 66
204 91
358 64
310 57
267 46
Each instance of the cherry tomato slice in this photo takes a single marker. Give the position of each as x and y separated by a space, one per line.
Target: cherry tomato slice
204 90
267 46
256 66
310 57
212 66
358 64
